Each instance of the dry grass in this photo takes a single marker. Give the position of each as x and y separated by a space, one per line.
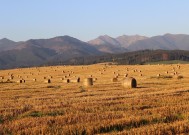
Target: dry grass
159 105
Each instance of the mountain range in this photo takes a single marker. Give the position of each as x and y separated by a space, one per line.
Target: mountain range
63 48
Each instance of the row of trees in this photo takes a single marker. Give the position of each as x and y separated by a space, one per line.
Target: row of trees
138 57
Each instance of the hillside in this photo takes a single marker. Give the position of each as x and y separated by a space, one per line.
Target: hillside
69 50
137 42
26 57
107 44
165 42
131 58
125 41
36 52
6 44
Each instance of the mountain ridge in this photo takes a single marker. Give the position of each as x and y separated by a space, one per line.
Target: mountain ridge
65 48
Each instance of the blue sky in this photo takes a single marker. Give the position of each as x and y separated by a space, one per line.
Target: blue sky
87 19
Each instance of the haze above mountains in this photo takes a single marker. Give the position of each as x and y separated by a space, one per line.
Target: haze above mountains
39 51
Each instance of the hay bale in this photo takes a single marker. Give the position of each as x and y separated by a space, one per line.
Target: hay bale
1 77
114 79
179 77
95 79
50 76
66 80
34 80
19 81
129 82
175 73
76 80
88 82
8 80
47 81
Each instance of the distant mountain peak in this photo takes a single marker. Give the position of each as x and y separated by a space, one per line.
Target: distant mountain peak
65 38
105 40
6 40
107 36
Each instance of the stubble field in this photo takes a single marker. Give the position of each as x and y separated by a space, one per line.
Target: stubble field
159 104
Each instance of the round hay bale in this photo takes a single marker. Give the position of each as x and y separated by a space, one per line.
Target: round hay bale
8 80
1 77
114 79
66 80
19 81
95 79
116 76
178 77
77 80
88 82
129 82
47 81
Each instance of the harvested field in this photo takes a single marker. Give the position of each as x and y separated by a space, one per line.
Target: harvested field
159 104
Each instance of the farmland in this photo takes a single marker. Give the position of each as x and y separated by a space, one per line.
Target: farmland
159 104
